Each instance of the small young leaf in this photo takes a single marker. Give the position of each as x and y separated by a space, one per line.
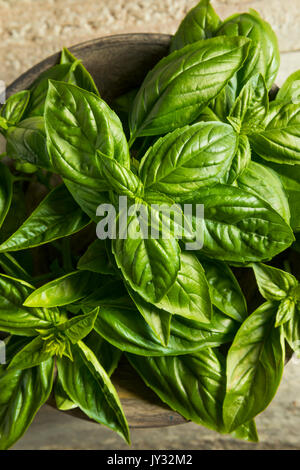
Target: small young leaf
26 142
78 74
17 319
201 22
251 106
79 327
14 107
285 312
120 179
273 283
33 354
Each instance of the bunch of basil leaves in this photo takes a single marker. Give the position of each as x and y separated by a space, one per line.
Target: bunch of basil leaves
201 129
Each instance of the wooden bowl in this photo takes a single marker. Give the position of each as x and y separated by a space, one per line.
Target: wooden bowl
118 64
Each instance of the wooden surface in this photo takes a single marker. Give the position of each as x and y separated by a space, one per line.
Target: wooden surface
142 407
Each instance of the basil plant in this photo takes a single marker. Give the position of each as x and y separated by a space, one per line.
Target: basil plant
208 326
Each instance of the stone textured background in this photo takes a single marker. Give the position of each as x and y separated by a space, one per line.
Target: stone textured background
30 30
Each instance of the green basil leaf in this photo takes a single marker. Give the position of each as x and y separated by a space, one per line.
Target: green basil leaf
64 290
255 364
22 393
201 22
33 354
280 141
55 217
292 332
62 400
120 179
225 290
285 312
143 259
192 385
262 181
78 74
14 344
223 103
87 198
106 290
78 123
240 160
16 214
6 190
290 179
123 326
251 106
208 115
15 106
107 355
122 104
14 316
182 84
188 158
246 432
238 226
273 283
26 142
158 319
95 259
263 56
189 296
289 92
12 268
39 88
98 398
55 341
78 327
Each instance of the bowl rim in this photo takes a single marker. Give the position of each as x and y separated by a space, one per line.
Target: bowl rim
101 42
